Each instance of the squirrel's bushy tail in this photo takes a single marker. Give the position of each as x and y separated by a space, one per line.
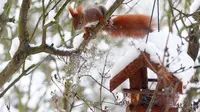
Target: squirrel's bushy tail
133 26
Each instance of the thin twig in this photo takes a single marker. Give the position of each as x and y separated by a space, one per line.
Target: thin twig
150 21
102 79
36 26
158 12
24 73
16 80
97 83
171 7
149 109
174 91
131 6
52 22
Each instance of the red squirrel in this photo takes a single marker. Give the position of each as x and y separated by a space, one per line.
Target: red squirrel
130 25
81 17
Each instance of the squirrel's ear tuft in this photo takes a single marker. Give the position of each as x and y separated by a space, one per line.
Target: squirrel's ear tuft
71 11
80 9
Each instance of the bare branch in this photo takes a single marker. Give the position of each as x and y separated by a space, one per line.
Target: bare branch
21 54
52 22
51 50
24 49
23 32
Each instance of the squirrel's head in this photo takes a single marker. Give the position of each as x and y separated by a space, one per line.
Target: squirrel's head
78 19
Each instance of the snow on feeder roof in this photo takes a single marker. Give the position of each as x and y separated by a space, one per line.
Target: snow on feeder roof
164 49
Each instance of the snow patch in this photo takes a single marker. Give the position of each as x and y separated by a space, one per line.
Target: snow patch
130 55
51 16
103 45
1 49
2 3
194 6
3 65
14 46
78 40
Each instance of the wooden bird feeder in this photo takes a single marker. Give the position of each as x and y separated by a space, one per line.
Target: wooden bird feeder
136 72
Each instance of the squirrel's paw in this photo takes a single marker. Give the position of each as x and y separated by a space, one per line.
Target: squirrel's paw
103 21
85 36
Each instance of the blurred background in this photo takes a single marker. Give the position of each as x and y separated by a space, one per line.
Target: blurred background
79 82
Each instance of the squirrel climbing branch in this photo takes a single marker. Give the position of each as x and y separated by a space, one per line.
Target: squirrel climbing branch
94 31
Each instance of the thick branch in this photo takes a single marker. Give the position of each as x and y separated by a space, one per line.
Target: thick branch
22 52
13 66
23 32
